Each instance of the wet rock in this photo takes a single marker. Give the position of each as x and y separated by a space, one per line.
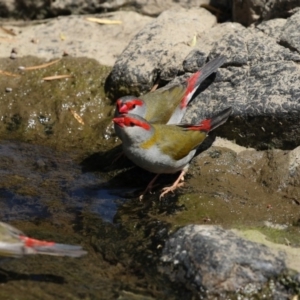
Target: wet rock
63 113
158 50
214 261
251 11
274 173
74 35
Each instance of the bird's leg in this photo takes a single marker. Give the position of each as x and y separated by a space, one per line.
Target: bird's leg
149 187
174 186
155 86
117 157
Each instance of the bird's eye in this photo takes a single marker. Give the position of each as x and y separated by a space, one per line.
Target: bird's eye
131 124
133 106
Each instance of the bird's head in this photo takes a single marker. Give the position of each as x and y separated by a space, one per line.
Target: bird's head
135 128
131 105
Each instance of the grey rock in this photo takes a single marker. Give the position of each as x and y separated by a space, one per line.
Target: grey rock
41 9
260 80
157 7
290 33
211 261
152 7
272 28
74 35
247 12
158 50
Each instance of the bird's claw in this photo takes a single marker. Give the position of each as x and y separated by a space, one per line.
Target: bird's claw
169 189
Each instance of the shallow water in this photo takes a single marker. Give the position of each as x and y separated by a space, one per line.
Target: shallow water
45 194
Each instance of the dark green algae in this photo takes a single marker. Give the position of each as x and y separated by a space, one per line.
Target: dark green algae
38 111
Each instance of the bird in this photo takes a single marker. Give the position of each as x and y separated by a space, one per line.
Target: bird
14 243
162 148
168 104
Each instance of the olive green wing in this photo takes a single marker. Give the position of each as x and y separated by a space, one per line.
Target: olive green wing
162 103
177 141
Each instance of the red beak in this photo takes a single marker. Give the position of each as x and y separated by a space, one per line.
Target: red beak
123 109
119 121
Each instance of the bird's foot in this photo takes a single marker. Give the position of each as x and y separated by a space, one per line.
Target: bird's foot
141 196
169 189
148 188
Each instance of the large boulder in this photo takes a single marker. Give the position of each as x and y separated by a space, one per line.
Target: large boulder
252 11
260 79
212 261
158 50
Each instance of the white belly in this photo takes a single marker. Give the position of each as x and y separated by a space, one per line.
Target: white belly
154 161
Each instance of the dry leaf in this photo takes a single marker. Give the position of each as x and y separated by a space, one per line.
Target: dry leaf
62 36
41 66
8 31
76 116
105 21
193 42
54 77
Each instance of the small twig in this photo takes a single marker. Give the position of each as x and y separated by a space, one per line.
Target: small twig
9 74
54 77
40 66
104 21
8 31
76 116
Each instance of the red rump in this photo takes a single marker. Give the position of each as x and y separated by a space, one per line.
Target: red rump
204 125
29 242
192 83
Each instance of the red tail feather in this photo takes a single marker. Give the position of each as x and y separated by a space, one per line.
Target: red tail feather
29 242
205 125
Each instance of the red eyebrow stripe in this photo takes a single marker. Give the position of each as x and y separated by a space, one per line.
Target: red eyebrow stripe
126 121
137 102
129 120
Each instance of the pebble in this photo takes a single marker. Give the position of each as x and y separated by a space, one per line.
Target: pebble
13 55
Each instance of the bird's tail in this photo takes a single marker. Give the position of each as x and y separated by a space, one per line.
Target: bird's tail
33 246
195 80
216 120
211 123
